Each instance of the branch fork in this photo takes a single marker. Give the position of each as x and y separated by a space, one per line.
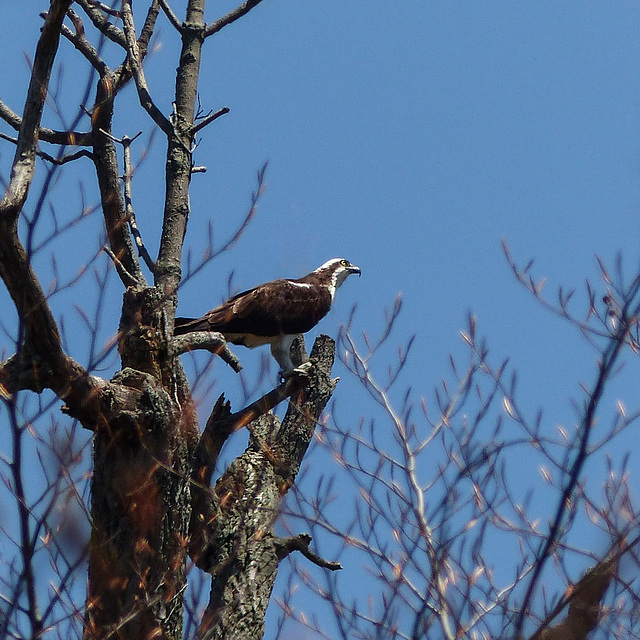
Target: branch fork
301 543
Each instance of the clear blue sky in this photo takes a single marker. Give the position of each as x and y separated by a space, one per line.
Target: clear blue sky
409 137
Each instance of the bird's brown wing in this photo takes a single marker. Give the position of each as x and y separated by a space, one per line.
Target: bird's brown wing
275 308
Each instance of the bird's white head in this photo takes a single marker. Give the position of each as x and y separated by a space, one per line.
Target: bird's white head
335 272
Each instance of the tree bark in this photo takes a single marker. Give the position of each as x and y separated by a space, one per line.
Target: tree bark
244 552
141 511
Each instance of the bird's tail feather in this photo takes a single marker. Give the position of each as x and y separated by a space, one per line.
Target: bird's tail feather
185 325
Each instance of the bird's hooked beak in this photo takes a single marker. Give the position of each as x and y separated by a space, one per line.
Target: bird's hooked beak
353 269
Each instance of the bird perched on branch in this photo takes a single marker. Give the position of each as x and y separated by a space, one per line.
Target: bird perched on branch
275 312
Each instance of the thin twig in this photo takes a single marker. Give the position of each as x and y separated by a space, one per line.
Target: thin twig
80 42
138 74
101 23
125 276
172 17
209 119
105 7
26 542
232 16
82 153
45 134
128 203
210 254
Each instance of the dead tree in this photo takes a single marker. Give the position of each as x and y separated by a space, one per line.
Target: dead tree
152 505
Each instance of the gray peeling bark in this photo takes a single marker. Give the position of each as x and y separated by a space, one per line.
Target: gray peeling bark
244 552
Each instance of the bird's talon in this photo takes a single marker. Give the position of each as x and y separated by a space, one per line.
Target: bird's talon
303 370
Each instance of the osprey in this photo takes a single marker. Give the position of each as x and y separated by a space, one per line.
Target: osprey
276 312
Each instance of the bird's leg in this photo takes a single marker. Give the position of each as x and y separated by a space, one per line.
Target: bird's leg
281 351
